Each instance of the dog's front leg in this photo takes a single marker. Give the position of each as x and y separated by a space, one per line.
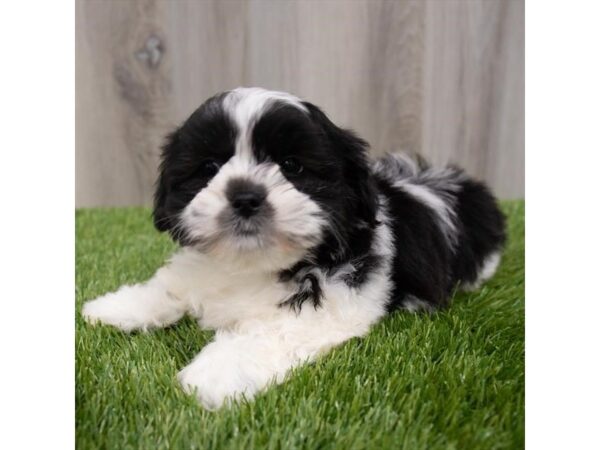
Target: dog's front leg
137 307
240 364
235 366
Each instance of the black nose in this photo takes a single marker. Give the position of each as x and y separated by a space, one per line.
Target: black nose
246 198
247 203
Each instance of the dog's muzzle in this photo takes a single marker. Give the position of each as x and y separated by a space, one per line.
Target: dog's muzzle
249 210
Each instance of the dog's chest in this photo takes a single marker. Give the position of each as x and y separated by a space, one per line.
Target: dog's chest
219 298
237 299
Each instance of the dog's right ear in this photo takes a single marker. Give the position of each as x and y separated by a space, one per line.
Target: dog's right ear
161 216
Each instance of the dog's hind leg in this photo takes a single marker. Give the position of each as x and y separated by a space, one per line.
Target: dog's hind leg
486 271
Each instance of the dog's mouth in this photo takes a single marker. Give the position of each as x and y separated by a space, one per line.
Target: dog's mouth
245 228
237 234
236 226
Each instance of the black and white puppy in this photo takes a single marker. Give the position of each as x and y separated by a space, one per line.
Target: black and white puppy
293 242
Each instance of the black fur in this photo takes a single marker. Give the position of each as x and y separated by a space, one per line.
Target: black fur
481 229
363 266
421 266
426 265
338 176
208 134
309 289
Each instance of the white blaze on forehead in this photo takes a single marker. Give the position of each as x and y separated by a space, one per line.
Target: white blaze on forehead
245 105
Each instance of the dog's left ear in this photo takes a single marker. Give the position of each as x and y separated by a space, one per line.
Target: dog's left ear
353 151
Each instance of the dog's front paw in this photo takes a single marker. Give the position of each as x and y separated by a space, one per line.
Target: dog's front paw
117 309
217 378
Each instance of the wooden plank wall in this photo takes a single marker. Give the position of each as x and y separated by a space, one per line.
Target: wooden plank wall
443 78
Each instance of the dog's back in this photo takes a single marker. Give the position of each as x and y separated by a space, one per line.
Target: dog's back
448 230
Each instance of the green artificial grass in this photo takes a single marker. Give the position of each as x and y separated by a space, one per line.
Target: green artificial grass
452 380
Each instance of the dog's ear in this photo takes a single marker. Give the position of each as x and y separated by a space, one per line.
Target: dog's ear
353 151
162 217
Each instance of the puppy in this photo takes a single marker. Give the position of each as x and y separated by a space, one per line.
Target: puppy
293 242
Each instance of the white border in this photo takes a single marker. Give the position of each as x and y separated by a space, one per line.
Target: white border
563 225
563 186
36 215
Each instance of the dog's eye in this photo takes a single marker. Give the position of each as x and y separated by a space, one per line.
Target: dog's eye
291 166
209 168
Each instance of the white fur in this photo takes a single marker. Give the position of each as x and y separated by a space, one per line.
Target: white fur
246 103
486 271
297 224
414 304
257 341
148 305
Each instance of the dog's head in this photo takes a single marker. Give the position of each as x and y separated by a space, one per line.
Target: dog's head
264 179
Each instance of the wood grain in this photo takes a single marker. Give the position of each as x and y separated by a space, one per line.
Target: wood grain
440 78
474 90
122 100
